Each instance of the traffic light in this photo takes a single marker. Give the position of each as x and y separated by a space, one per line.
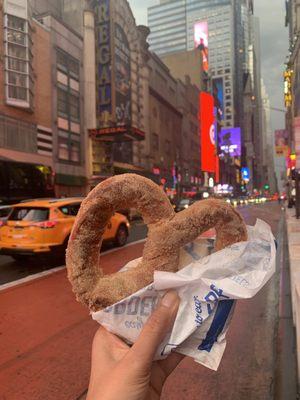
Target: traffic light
267 187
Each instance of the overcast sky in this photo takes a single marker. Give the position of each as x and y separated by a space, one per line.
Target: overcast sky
274 46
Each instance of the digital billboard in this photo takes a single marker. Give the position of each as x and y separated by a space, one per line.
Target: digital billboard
245 174
201 41
207 132
282 143
218 93
230 142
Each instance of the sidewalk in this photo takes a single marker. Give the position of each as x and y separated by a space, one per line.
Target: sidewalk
46 336
293 233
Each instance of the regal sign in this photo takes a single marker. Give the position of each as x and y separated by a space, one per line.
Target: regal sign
103 63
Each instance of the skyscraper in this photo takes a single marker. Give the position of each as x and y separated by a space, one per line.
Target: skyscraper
175 26
224 28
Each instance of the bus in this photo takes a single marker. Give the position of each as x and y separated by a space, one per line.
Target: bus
20 181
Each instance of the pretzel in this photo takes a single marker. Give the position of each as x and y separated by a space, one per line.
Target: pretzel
167 232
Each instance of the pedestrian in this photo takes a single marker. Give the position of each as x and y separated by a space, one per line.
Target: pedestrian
128 373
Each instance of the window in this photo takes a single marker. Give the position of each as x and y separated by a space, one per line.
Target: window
32 214
15 92
16 37
74 67
62 102
17 79
18 60
74 107
71 209
17 51
67 63
68 147
68 100
16 23
17 65
63 150
62 60
75 152
155 142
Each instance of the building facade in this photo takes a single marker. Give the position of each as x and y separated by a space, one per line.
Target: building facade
226 28
41 106
26 132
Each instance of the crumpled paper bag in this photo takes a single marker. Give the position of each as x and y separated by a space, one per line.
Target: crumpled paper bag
208 288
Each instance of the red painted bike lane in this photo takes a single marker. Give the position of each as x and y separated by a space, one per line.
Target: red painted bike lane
46 336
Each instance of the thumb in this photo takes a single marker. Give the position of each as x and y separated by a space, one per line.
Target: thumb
155 329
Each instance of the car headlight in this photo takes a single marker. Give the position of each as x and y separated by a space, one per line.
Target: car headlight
186 206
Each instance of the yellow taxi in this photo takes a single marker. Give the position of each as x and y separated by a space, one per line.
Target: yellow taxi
44 226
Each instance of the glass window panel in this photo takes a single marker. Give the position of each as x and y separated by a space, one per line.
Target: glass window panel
17 65
15 92
17 79
62 101
74 107
16 37
75 152
62 60
17 51
74 67
63 150
16 23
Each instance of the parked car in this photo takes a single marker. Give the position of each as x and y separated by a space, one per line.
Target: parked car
41 227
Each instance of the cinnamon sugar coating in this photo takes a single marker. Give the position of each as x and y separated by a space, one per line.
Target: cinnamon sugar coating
167 232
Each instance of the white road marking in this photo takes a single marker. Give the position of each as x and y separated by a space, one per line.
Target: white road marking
54 270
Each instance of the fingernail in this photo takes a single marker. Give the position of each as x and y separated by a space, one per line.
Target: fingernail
170 299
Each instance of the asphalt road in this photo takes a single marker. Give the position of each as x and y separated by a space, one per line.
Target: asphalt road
11 270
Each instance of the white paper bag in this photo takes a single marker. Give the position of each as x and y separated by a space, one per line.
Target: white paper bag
208 288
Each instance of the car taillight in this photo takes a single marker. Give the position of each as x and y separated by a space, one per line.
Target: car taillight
46 224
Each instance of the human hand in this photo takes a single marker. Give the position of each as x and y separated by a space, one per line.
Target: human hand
120 372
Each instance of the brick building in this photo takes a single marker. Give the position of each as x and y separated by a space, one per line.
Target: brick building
40 103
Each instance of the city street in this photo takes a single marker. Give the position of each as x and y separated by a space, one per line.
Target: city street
46 335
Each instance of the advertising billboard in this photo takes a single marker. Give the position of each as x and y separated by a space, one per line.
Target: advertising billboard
218 93
230 142
122 77
207 132
245 174
281 143
201 41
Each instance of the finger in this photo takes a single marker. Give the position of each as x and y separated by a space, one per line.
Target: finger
107 350
158 325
